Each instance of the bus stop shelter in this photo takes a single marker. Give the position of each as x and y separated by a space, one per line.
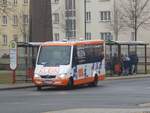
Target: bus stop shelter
126 47
27 53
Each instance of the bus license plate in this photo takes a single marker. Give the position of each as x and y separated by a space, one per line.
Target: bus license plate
48 82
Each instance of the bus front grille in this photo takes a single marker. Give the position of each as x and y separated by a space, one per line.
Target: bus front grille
48 76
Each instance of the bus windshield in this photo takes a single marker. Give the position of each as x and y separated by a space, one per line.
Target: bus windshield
54 55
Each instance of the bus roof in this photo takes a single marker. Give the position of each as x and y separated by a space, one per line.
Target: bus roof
73 43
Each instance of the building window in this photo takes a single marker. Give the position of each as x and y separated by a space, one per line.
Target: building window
25 19
56 1
15 2
71 24
88 36
56 35
4 2
25 1
4 20
56 18
70 28
104 0
71 34
70 4
88 1
105 16
88 17
4 40
15 20
70 13
15 38
106 36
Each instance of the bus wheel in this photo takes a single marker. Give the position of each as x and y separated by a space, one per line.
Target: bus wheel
95 82
70 84
39 88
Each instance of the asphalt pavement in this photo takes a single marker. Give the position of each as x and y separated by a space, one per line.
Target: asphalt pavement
29 84
111 96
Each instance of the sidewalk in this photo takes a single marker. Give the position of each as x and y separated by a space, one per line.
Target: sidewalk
128 77
29 85
102 110
16 86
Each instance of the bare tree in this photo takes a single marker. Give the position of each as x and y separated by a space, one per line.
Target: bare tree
6 7
135 14
116 25
22 25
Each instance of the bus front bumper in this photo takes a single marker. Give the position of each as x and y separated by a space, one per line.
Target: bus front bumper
53 82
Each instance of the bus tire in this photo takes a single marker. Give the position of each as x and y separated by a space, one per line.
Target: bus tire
95 82
39 88
70 84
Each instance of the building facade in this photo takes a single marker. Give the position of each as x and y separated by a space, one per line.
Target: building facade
24 21
90 19
14 19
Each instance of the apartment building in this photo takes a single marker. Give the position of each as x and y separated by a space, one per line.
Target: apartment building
70 22
58 19
14 22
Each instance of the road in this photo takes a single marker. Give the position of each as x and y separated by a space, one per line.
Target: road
133 93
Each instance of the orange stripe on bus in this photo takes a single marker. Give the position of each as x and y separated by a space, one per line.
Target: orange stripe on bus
64 82
73 43
88 80
101 77
83 81
89 43
57 44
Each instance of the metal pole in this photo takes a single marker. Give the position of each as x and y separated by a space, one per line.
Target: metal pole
85 18
26 63
128 49
14 77
115 21
145 59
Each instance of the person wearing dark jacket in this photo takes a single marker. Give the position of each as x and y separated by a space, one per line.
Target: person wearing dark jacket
134 61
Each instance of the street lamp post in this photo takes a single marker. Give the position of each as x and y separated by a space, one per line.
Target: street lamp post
85 18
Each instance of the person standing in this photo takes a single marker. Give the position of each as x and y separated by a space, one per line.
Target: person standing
126 65
114 62
135 63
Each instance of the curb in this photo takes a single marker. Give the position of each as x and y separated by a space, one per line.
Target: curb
16 87
127 77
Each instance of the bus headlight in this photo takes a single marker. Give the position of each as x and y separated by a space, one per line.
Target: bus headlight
36 76
63 76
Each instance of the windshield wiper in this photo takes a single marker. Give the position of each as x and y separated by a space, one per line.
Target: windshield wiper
44 63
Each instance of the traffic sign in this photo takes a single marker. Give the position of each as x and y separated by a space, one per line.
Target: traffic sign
13 55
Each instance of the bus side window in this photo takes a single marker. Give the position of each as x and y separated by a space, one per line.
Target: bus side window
74 60
81 55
